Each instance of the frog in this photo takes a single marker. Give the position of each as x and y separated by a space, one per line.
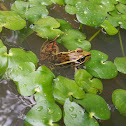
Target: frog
50 51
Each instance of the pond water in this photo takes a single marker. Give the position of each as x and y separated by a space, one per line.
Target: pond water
13 107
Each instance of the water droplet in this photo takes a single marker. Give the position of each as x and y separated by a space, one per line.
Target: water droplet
40 108
71 109
74 115
50 110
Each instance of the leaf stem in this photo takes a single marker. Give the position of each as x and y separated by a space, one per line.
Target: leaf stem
120 39
92 37
80 28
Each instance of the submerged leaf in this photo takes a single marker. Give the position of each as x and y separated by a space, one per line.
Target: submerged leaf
74 115
95 106
120 63
98 66
85 81
119 100
64 88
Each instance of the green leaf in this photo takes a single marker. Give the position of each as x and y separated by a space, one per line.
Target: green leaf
47 28
35 13
43 114
70 9
122 1
90 15
120 63
64 88
98 66
60 2
64 25
74 115
121 8
95 106
3 59
119 100
20 7
71 2
17 56
87 82
73 39
110 29
11 20
41 2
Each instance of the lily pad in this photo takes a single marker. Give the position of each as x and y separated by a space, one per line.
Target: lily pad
11 20
64 88
110 29
73 39
43 114
3 59
95 106
87 82
120 63
121 8
20 7
41 2
60 2
122 1
119 100
98 66
64 25
90 15
70 9
74 115
35 13
47 28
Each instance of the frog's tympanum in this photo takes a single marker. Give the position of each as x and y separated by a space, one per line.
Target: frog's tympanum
50 51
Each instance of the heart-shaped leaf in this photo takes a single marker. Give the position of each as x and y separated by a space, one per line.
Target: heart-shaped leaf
85 81
110 29
64 25
64 88
11 20
74 115
90 15
47 28
119 100
95 106
73 39
3 59
35 13
98 66
120 63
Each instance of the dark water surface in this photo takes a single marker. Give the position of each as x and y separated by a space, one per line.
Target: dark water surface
13 107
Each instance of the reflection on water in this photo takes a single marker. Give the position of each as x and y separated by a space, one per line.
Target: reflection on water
13 107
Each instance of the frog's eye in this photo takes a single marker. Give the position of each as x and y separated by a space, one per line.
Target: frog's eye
81 59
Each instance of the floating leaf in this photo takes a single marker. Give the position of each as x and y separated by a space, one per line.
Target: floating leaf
110 29
121 8
70 9
119 100
74 115
64 88
11 20
35 13
41 2
98 66
3 59
90 15
122 1
85 81
20 7
120 63
73 39
43 114
71 2
47 28
95 106
60 2
64 25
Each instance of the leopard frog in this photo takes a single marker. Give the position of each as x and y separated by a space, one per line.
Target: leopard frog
50 51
